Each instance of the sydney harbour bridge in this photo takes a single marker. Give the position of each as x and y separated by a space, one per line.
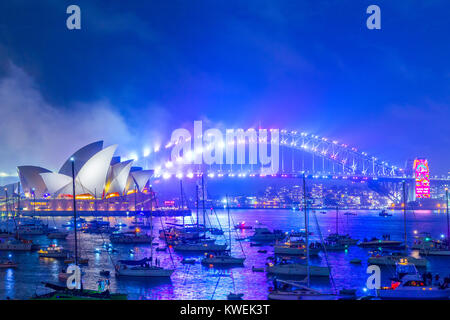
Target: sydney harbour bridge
306 154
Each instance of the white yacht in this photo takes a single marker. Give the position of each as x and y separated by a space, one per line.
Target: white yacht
393 259
411 286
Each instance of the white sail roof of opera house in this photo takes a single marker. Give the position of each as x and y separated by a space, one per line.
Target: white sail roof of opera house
30 179
117 177
82 155
141 178
55 181
90 179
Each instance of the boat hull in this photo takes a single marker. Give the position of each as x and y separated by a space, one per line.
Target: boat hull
429 293
298 270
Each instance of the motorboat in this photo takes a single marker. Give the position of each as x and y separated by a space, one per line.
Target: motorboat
235 296
222 260
409 285
140 268
54 251
242 226
264 234
394 258
8 264
188 261
384 213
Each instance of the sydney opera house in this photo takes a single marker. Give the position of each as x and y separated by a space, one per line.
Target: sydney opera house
102 183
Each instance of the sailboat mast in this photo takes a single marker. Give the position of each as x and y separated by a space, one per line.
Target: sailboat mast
74 211
229 224
18 199
196 194
203 201
404 215
337 219
151 226
306 229
448 221
181 200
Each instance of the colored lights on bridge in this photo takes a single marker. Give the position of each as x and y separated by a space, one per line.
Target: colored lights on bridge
422 176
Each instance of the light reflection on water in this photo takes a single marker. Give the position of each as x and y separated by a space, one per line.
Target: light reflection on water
202 282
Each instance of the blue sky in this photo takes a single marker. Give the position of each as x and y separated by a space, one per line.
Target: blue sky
139 69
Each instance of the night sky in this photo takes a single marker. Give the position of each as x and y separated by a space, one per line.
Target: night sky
139 69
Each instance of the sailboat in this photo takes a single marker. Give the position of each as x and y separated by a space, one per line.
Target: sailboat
15 243
297 290
393 258
224 259
200 244
64 293
297 269
144 267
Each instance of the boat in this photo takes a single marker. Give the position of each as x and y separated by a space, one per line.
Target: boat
262 251
394 258
263 234
235 296
216 231
201 246
286 268
254 269
188 261
130 238
63 293
222 259
8 264
57 234
350 213
140 268
81 261
355 261
384 213
297 269
242 226
297 248
296 290
343 239
161 249
409 285
54 251
15 244
105 273
377 243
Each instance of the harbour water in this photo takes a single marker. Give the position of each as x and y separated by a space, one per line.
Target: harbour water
204 282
